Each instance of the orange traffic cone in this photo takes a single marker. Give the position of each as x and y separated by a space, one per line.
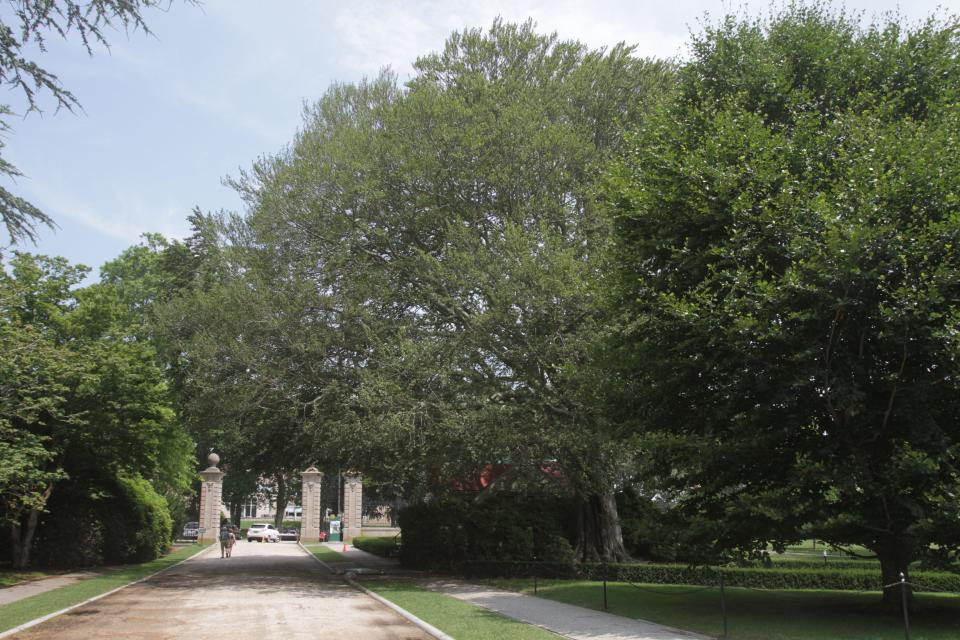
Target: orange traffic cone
344 547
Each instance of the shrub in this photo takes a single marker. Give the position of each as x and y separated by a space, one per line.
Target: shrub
137 522
385 546
104 520
70 534
448 534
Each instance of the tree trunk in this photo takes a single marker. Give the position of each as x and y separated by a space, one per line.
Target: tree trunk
281 497
22 539
17 547
601 539
892 565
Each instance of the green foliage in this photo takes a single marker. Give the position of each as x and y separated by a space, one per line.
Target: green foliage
71 533
83 399
137 523
853 579
386 546
413 286
452 533
103 520
786 234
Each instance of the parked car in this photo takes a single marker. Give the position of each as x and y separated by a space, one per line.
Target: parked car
191 531
290 534
263 533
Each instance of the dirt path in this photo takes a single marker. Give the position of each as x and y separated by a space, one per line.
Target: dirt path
264 591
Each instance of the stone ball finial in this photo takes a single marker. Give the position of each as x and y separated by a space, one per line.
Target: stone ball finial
213 459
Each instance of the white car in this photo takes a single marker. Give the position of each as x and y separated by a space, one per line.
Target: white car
263 533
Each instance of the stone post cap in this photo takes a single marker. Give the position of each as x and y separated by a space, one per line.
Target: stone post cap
312 471
352 473
212 472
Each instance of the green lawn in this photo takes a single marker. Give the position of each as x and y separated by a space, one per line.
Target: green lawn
17 613
761 615
325 553
10 578
455 618
807 547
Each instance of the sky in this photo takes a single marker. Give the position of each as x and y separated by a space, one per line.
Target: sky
165 117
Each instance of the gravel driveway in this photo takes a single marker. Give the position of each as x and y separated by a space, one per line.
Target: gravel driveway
264 591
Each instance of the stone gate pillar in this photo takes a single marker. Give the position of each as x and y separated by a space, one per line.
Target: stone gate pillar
352 504
312 515
211 493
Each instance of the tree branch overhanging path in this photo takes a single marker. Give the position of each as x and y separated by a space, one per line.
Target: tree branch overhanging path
35 21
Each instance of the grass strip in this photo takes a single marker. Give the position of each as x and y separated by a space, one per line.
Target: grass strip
760 615
21 611
10 578
457 619
325 553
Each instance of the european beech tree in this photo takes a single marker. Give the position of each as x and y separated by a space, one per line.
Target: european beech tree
787 239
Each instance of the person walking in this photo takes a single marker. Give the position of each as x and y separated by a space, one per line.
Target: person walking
224 538
231 540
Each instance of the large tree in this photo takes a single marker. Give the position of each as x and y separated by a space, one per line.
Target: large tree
787 236
82 398
449 234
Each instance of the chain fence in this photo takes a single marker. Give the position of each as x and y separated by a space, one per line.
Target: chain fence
718 578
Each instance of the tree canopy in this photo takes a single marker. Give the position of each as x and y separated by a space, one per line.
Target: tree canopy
787 234
413 287
82 399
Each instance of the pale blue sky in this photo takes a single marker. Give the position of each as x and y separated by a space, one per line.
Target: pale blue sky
166 117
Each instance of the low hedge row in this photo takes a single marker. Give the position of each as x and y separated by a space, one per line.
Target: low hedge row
752 577
870 565
387 547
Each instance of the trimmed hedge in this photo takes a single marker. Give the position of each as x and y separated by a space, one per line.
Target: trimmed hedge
445 534
387 547
872 565
867 579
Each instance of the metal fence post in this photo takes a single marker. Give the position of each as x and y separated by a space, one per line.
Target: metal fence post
604 585
903 597
536 570
723 604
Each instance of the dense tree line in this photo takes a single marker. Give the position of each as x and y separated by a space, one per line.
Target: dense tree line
729 283
89 439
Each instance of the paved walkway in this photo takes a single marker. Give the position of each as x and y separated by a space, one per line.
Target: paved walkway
564 619
264 591
567 620
41 585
